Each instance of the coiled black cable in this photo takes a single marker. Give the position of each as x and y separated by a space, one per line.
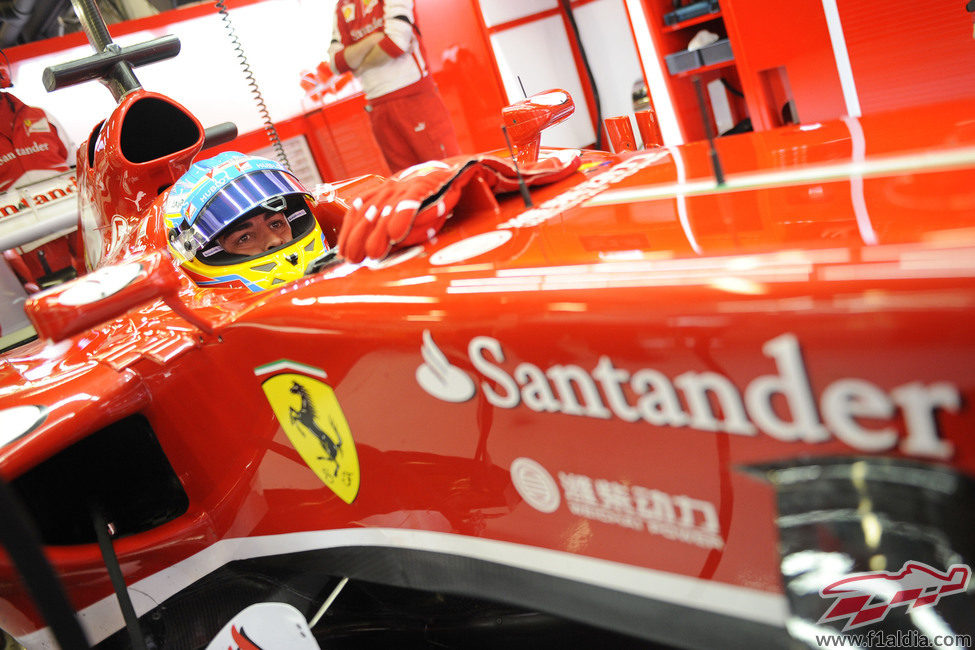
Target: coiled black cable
272 133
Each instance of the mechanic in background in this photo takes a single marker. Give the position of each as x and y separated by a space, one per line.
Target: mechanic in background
33 148
379 42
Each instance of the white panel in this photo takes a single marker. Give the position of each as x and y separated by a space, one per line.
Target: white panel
206 76
13 320
540 54
720 107
655 74
300 159
842 57
496 12
606 37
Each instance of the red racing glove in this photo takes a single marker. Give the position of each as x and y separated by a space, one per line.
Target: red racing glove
412 205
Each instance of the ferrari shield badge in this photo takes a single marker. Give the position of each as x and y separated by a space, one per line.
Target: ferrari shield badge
311 417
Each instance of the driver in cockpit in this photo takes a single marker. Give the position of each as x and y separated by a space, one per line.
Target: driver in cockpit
242 221
262 232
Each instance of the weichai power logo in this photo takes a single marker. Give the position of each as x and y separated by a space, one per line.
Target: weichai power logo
867 598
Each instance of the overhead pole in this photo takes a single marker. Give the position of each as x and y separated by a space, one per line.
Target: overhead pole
111 64
119 78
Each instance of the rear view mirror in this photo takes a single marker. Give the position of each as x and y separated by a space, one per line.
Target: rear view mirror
526 120
103 294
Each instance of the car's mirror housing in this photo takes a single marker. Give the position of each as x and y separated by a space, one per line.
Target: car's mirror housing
103 294
525 121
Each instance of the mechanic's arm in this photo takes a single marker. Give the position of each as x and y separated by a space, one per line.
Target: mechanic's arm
397 35
351 58
375 57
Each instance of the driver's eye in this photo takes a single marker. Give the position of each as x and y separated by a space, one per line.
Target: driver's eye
243 239
276 223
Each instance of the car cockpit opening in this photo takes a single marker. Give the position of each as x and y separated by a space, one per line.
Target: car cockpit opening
154 128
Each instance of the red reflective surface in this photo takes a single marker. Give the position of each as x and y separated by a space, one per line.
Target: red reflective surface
525 121
463 65
639 332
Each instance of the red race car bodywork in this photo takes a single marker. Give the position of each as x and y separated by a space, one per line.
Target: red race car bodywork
651 403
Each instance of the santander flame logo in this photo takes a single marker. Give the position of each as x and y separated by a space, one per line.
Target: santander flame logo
868 598
440 378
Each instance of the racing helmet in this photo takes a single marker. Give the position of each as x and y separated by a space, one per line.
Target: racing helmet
238 220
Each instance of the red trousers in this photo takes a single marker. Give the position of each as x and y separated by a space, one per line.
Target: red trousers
412 125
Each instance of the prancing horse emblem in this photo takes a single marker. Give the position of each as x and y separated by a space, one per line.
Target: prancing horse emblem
310 415
305 416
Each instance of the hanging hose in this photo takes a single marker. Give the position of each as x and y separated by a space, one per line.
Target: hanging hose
137 640
272 133
20 538
567 7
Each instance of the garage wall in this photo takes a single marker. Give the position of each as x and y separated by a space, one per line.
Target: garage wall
908 53
851 57
280 38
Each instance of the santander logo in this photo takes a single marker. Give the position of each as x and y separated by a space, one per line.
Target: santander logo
606 391
439 378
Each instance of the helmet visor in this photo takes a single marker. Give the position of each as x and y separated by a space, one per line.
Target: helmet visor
268 227
230 203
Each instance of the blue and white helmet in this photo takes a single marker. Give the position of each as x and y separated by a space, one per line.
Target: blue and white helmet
223 191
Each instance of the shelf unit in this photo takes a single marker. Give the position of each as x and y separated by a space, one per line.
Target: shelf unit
703 69
675 38
692 21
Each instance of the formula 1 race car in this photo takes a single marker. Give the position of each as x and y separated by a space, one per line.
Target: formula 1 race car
659 404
